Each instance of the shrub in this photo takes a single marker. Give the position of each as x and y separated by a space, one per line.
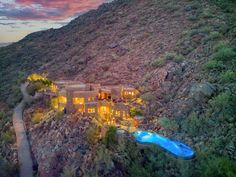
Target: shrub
8 137
69 171
158 62
221 102
8 168
223 106
194 124
227 77
220 45
103 161
213 36
37 116
36 77
93 134
148 97
3 119
15 96
167 123
110 137
220 167
59 115
213 65
225 54
161 61
226 5
134 111
174 57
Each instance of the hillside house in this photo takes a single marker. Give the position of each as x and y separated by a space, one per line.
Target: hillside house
110 103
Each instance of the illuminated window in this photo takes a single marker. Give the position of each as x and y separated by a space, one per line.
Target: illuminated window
78 100
53 88
124 114
91 110
117 113
62 99
104 109
91 99
80 110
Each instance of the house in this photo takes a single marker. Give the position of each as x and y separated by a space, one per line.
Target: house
110 103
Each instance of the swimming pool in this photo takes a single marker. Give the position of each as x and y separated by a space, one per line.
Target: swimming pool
174 147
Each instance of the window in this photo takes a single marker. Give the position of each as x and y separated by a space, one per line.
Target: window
104 109
124 114
117 113
91 110
90 98
78 100
80 110
62 99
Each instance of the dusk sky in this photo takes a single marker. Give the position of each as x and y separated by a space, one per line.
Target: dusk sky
21 17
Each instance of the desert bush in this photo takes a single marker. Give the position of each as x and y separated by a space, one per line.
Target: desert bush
15 96
103 162
34 87
168 124
8 169
221 102
37 83
194 125
174 57
148 97
220 45
223 107
225 54
93 134
161 61
213 65
158 62
207 14
134 111
226 5
227 77
110 137
59 115
219 166
92 78
213 36
37 117
8 137
69 171
3 119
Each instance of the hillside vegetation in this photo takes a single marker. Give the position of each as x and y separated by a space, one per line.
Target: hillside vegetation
180 54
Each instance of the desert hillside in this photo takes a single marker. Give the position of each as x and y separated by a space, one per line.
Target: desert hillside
179 54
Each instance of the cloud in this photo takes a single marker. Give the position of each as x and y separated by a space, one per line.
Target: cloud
46 9
6 24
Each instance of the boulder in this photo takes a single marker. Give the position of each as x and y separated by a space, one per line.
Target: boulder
202 91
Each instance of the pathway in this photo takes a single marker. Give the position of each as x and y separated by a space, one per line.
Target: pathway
23 147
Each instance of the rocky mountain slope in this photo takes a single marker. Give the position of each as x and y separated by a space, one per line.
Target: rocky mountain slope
121 36
175 52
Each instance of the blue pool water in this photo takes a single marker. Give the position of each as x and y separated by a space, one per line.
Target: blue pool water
174 147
